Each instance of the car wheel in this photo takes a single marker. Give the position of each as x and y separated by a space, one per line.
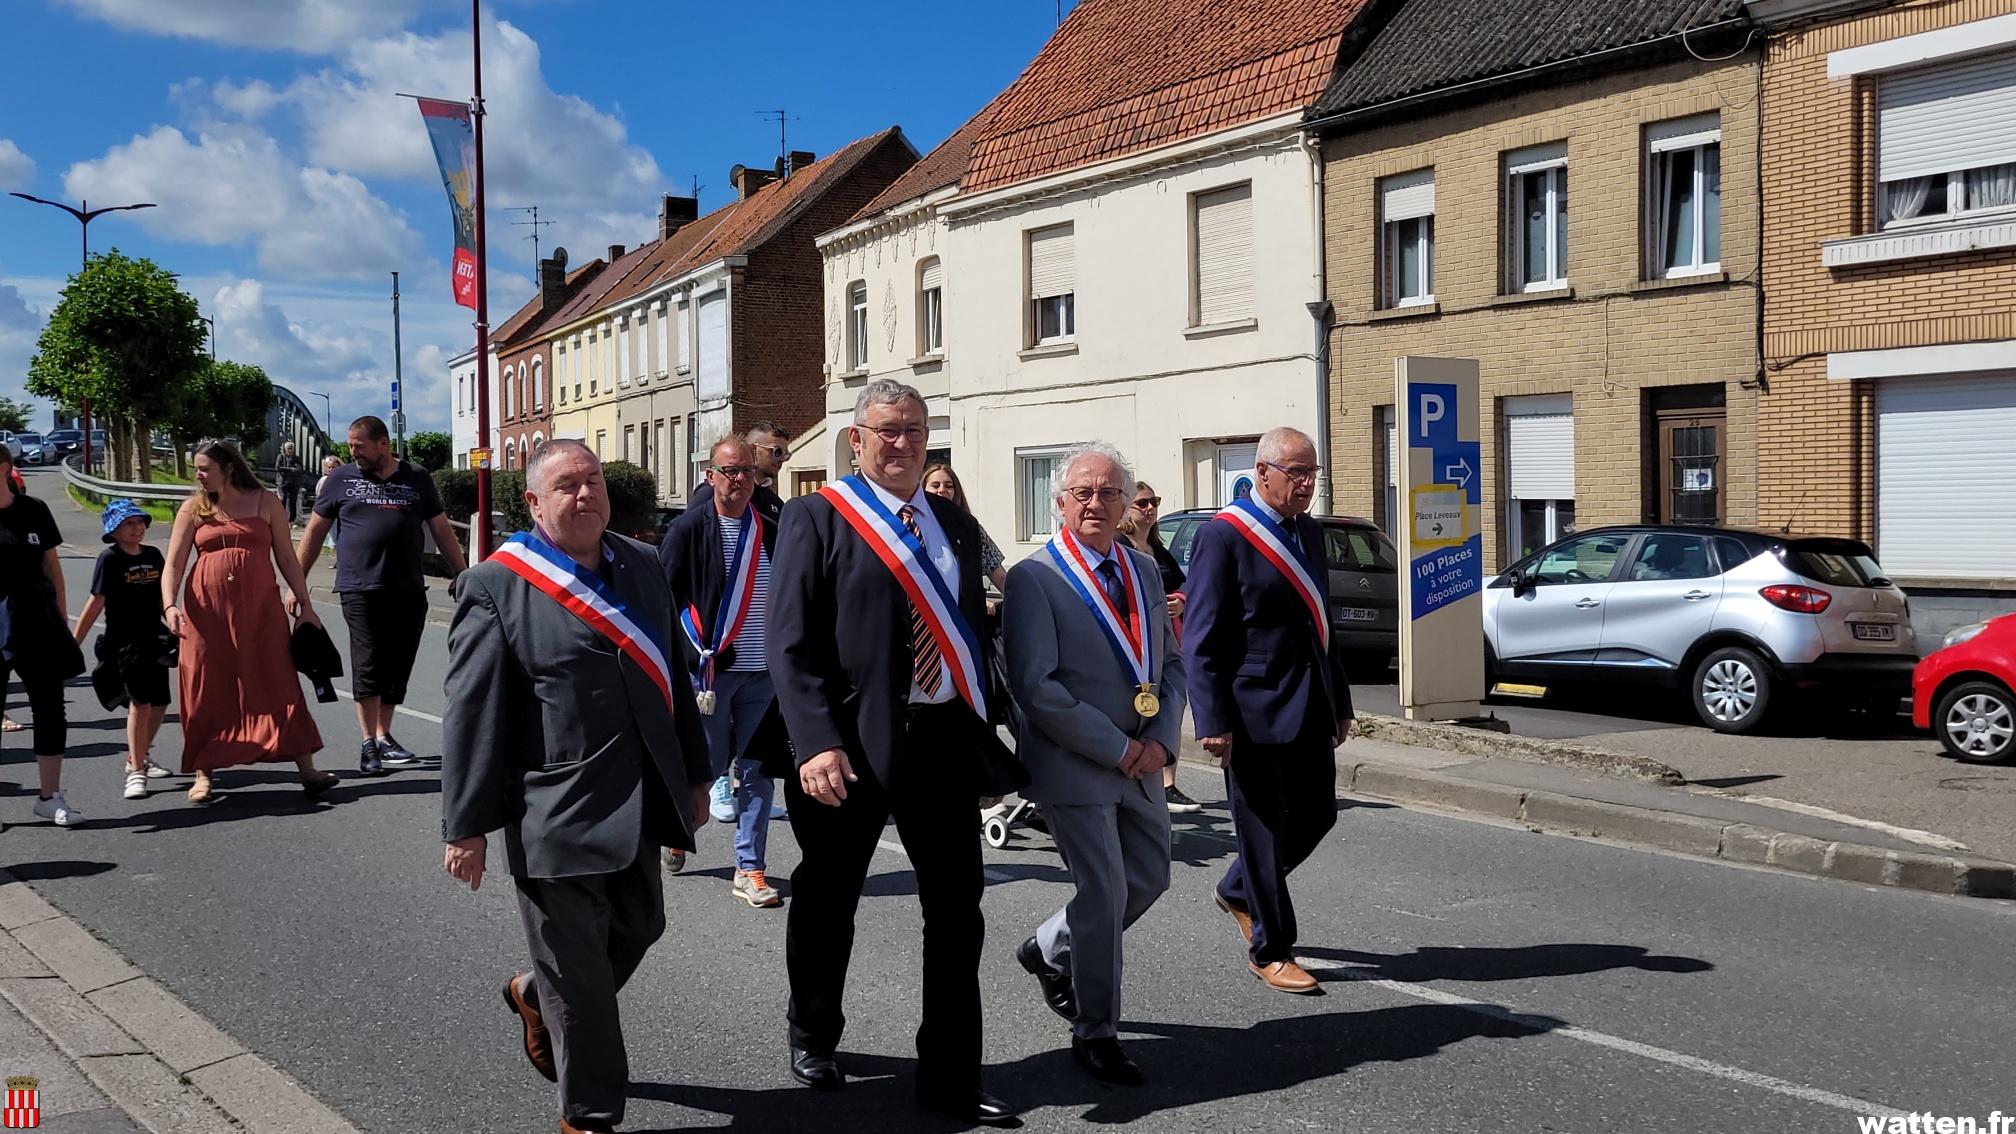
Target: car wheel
1977 722
1732 690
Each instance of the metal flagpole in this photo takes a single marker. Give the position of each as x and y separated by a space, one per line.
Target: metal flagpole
479 527
398 397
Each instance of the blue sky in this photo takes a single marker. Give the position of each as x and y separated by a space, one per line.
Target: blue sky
291 180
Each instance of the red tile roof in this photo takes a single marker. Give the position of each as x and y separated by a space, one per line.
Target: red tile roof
526 316
1122 76
943 166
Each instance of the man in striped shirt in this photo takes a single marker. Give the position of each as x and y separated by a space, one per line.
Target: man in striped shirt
717 559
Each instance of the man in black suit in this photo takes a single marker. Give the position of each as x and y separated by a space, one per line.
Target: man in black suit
771 445
881 677
1267 693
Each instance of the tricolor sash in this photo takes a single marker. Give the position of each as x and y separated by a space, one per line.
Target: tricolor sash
588 598
1128 636
1268 538
736 599
892 543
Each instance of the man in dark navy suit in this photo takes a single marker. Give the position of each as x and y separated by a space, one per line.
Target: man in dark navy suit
1267 693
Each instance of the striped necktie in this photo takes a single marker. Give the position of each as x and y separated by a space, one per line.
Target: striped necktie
927 664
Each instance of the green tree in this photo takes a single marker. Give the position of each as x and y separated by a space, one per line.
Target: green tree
431 451
225 399
14 415
127 338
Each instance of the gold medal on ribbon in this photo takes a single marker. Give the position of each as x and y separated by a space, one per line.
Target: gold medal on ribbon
1146 702
705 699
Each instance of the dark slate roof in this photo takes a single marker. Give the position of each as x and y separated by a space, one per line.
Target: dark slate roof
1429 45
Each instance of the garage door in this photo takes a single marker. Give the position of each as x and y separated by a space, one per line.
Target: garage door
1946 476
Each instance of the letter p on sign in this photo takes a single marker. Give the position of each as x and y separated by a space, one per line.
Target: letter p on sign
1432 410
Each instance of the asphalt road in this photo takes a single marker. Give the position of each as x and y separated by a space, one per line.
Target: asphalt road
1477 976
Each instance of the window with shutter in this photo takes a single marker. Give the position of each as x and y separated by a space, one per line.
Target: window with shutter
857 325
1539 471
1052 285
931 307
1407 238
1222 274
1946 140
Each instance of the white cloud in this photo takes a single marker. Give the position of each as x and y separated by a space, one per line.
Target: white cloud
541 147
311 26
16 168
234 185
20 327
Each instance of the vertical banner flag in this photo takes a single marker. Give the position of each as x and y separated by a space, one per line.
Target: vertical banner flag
453 133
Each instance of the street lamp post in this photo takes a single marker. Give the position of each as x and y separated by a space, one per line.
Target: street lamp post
85 215
212 323
329 428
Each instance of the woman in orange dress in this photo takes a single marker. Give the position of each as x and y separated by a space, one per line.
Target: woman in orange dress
241 697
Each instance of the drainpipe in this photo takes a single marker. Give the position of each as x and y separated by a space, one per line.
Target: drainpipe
1324 316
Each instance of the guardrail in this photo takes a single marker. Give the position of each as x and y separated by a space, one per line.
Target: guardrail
106 490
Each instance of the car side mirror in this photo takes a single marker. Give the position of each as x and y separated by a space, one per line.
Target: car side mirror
1518 581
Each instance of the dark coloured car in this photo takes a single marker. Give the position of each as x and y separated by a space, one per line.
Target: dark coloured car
63 442
1364 608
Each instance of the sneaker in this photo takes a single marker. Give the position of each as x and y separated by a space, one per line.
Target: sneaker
57 810
156 771
777 811
752 887
395 754
1180 804
721 804
136 785
369 761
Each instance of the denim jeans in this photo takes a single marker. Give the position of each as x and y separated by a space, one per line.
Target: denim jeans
740 701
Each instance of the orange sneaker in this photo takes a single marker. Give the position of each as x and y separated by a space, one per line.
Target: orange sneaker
752 887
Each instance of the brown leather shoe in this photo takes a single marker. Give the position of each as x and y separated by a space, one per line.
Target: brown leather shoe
1286 976
567 1127
1244 919
537 1047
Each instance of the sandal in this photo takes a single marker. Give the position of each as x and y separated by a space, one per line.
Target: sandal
9 724
199 792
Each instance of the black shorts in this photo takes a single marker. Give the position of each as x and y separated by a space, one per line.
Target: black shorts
146 684
385 629
45 701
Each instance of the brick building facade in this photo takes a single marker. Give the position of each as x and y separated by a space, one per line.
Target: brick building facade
1617 349
1890 321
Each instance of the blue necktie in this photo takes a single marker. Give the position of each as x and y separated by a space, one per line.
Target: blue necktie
1109 576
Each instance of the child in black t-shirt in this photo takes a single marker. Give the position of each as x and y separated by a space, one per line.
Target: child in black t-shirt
126 586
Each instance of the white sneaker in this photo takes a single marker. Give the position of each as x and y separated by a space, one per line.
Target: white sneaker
57 810
156 771
136 785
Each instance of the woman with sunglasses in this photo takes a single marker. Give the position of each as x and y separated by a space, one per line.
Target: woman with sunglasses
1147 509
941 481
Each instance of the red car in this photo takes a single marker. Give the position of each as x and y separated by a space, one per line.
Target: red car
1963 692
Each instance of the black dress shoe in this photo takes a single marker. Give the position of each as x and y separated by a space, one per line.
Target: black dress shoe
1106 1061
1057 992
816 1070
975 1106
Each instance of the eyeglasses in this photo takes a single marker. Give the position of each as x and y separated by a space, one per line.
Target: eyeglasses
777 451
1302 473
1147 503
733 471
1085 495
891 434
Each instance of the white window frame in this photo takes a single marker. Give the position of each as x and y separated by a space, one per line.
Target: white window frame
1394 235
538 383
625 331
685 335
1061 308
1552 161
1658 167
1033 519
857 325
601 443
931 311
1197 202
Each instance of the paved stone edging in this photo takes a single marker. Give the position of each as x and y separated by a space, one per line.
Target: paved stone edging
1688 834
1533 750
169 1069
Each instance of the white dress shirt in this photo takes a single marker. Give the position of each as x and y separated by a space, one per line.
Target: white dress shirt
938 549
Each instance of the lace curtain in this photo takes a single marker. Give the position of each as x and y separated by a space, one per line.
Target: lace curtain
1991 188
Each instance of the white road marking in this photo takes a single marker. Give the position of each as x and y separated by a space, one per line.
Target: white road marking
1617 1043
1908 834
342 692
989 873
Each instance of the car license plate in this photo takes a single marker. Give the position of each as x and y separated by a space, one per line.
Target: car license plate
1875 632
1356 614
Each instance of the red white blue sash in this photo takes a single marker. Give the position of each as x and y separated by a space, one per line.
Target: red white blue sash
891 541
1271 541
737 597
552 572
1128 636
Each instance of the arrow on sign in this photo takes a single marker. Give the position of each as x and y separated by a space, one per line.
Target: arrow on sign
1450 472
1438 527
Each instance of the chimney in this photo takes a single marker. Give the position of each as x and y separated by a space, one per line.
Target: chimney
553 280
747 181
615 252
799 160
675 213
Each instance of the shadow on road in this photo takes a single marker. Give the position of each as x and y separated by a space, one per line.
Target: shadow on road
1423 966
240 796
1186 1064
58 868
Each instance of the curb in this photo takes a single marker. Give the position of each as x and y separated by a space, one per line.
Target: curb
170 1070
1686 834
1477 742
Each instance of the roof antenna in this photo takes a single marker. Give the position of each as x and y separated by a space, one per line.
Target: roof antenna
536 225
783 150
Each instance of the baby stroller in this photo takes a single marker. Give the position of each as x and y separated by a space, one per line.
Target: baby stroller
999 816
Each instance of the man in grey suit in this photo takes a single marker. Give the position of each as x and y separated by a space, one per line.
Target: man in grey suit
1093 662
571 725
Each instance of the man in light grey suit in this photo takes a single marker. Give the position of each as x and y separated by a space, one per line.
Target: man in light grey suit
571 725
1093 663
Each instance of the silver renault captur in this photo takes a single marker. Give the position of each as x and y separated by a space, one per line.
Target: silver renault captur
1734 617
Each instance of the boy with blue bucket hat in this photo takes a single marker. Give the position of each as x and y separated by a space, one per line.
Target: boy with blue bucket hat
126 587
